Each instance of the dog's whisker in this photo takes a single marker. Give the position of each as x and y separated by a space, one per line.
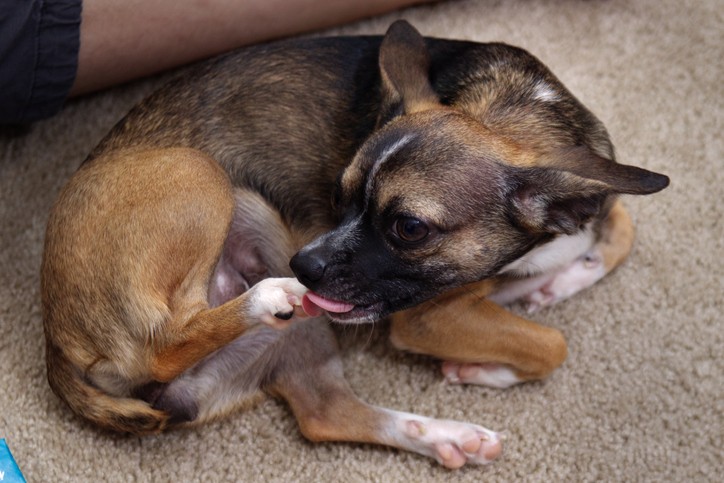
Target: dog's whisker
370 334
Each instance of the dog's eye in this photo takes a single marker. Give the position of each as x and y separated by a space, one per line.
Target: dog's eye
410 230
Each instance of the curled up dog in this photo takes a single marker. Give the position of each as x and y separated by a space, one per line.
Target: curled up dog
193 261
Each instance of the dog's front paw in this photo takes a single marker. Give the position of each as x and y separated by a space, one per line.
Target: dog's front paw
581 274
275 301
491 375
452 443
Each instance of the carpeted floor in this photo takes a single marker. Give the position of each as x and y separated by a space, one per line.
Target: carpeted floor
641 397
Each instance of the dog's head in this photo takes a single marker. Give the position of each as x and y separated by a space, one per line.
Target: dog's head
432 200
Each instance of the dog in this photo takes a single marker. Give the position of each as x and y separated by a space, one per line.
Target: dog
193 262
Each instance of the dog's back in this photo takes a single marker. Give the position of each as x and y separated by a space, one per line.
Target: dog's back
319 99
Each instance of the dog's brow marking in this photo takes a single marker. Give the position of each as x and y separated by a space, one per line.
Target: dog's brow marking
386 154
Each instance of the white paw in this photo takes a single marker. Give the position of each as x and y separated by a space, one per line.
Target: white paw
452 443
492 375
274 300
582 273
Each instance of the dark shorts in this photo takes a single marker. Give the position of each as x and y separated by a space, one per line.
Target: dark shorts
39 42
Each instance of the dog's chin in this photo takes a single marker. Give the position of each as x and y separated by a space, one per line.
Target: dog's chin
360 314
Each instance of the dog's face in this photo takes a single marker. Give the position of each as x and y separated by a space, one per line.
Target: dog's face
434 200
422 210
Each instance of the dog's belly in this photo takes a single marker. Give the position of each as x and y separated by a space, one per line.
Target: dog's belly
258 245
228 379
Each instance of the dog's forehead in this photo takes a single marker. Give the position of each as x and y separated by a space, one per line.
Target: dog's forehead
443 194
426 165
360 175
400 134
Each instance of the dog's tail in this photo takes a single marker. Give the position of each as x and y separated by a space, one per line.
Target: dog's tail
120 414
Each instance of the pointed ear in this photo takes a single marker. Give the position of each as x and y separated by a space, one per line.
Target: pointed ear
561 199
404 68
621 178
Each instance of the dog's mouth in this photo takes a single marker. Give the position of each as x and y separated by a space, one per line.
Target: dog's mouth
314 304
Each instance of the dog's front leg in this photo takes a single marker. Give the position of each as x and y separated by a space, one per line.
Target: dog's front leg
482 342
310 378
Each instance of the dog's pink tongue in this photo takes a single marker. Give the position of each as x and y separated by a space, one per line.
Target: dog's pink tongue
313 305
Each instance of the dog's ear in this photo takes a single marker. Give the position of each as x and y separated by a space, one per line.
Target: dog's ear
564 194
624 179
404 69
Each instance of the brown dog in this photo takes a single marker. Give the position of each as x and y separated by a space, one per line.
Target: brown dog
460 163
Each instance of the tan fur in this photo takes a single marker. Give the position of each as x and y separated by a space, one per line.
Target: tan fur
617 236
96 255
463 326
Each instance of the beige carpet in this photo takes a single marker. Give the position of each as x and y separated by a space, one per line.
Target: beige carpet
641 397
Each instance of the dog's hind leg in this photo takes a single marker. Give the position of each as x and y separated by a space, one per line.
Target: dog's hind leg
309 377
613 245
255 252
227 381
482 342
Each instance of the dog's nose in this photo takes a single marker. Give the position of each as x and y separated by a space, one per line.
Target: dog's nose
308 267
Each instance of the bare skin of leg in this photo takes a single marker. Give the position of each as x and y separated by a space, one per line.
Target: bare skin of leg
121 41
310 378
482 343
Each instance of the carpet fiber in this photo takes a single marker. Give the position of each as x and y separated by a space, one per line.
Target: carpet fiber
641 396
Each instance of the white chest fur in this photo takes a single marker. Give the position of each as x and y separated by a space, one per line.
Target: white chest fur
556 254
